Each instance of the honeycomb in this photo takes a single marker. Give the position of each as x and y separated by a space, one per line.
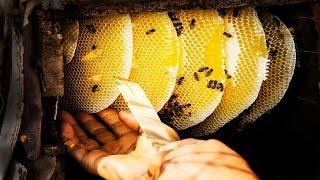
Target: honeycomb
282 58
104 51
201 79
243 87
156 56
70 32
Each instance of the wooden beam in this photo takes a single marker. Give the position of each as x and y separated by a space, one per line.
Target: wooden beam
164 4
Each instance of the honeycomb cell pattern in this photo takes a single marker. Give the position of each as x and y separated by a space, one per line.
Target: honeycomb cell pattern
282 56
70 32
203 41
104 51
243 88
155 57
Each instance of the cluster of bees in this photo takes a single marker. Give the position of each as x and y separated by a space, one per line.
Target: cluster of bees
174 109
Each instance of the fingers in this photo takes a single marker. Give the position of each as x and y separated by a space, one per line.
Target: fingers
95 128
128 119
87 142
203 147
191 157
88 159
111 118
67 117
72 142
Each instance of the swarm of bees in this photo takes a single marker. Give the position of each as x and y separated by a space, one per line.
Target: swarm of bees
191 64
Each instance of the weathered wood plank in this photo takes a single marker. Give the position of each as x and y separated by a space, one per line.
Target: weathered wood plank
164 4
30 133
51 58
14 107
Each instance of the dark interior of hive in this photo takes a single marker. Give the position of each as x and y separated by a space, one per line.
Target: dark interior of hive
281 144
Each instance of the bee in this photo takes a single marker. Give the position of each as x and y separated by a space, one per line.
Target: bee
150 31
184 106
214 84
202 69
220 86
91 28
227 34
176 104
94 47
196 76
226 73
235 12
222 12
209 72
95 88
174 96
209 85
192 23
180 80
273 53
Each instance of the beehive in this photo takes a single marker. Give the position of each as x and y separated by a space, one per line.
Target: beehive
193 99
155 57
104 51
282 56
243 87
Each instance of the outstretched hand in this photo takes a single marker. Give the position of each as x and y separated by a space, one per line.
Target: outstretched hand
109 133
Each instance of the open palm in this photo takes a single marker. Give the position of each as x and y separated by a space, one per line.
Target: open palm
91 138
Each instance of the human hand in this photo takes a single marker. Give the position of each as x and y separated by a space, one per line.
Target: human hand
111 144
202 159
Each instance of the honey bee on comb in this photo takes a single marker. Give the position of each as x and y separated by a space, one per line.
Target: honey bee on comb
150 31
180 80
209 72
192 23
176 22
203 69
196 76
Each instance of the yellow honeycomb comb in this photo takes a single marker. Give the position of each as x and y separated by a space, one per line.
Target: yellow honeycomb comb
201 80
155 57
104 51
251 69
282 56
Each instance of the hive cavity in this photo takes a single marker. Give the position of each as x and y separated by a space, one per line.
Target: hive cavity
104 51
